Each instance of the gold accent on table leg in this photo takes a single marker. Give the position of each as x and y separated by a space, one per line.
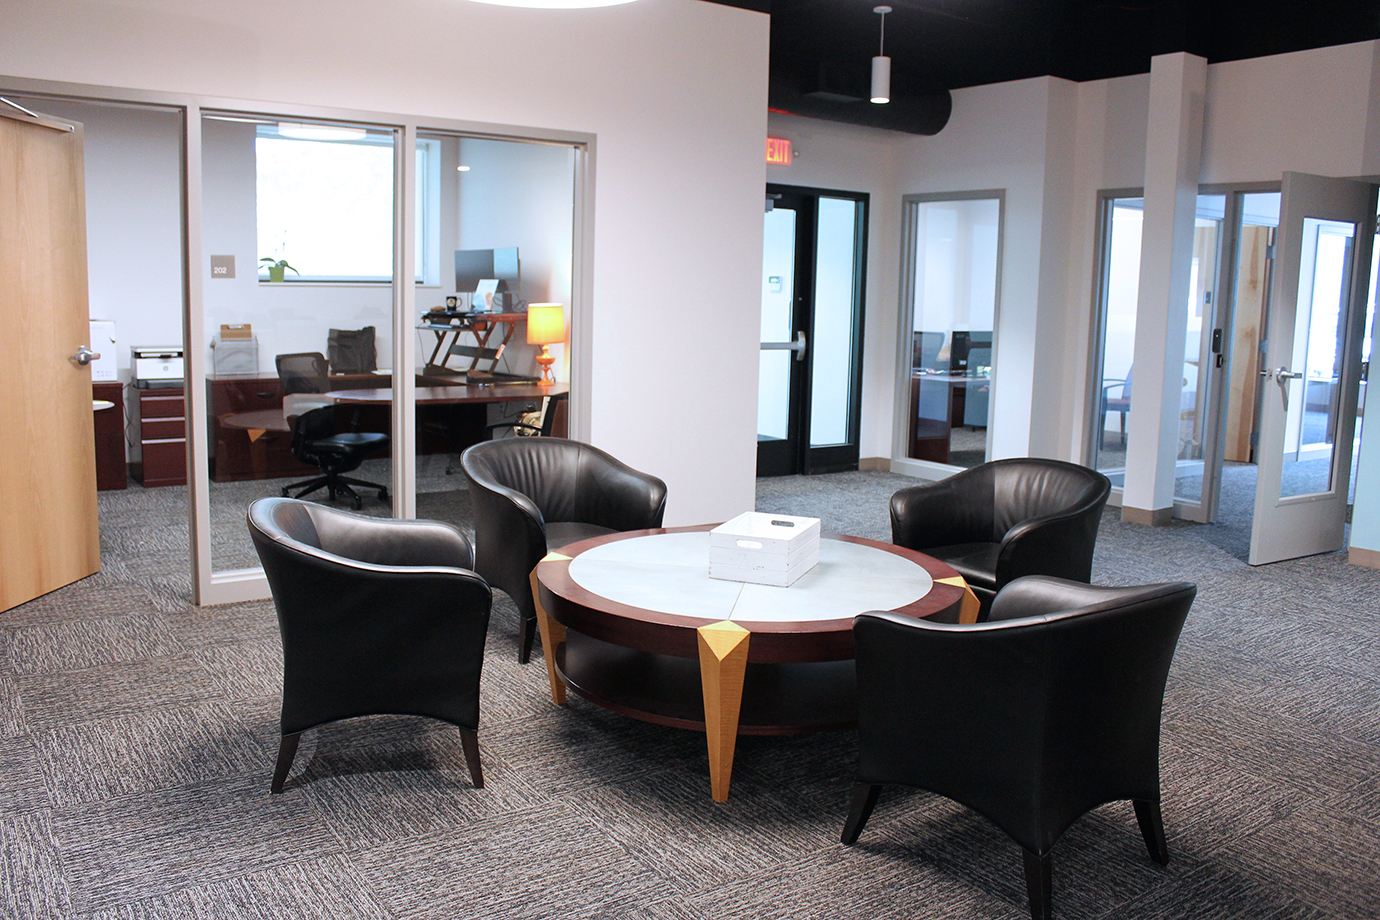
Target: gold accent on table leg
723 663
970 605
552 634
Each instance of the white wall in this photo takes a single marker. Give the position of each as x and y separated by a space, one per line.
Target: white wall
675 92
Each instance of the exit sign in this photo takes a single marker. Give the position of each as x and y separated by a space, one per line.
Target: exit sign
778 151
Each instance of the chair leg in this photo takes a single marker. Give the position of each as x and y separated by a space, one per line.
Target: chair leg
527 634
864 800
1152 829
469 740
287 749
1037 885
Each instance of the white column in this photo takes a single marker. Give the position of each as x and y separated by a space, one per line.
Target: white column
1173 153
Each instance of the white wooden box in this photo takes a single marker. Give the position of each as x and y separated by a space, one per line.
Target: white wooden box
764 549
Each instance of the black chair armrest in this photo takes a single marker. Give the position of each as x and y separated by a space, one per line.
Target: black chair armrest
1059 544
616 496
937 514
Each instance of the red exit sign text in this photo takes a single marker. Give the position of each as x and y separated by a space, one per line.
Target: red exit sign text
778 151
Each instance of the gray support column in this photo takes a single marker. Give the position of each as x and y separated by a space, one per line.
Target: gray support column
1173 153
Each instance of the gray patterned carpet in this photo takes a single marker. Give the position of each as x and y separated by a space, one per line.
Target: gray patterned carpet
137 735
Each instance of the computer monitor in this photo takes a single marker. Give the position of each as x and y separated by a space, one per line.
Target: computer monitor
474 265
963 342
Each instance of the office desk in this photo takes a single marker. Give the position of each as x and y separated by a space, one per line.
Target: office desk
938 403
459 413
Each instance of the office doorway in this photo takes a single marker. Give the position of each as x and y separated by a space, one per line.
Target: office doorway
810 376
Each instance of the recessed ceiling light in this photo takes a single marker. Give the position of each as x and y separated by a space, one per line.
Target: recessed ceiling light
462 169
555 4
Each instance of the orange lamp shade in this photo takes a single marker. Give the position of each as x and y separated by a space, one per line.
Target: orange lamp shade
545 323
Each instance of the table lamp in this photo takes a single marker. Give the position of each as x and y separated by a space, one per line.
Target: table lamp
545 327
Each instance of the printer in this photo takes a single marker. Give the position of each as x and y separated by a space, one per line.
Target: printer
156 366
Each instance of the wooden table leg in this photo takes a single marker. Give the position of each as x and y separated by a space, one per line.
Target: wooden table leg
552 634
970 605
723 663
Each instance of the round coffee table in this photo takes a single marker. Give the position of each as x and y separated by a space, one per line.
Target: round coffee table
634 623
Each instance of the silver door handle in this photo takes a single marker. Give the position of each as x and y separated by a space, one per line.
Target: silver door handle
798 346
85 356
1285 374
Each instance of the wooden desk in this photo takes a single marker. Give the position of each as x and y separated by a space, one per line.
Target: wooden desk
937 406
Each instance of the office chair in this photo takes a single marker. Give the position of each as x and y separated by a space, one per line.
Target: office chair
554 420
1004 519
1031 719
314 438
377 616
531 495
1120 404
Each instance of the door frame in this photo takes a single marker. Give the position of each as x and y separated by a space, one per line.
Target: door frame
901 462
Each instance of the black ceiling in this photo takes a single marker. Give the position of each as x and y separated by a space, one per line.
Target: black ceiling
938 45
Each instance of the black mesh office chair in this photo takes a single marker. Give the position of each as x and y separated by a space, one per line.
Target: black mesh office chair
315 440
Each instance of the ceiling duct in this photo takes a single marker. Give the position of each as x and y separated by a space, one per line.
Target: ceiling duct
841 92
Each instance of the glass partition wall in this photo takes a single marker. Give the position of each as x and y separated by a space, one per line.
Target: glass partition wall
298 227
950 291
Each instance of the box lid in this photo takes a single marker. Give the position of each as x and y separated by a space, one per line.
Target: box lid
776 532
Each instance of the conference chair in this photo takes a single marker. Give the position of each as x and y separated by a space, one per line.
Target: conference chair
377 616
1004 519
535 494
315 440
554 423
1049 709
1120 404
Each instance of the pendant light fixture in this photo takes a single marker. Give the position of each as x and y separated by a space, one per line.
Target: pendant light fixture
881 64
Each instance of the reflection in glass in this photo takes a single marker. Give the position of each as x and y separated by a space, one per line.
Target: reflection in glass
954 316
279 349
1311 397
778 298
1120 289
1198 353
835 314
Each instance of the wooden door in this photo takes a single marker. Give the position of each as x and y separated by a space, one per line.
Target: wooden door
48 531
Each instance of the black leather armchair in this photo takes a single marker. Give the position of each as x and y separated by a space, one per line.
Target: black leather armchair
533 493
377 616
1047 710
999 521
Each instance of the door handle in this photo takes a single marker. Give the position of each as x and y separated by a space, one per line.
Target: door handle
1285 374
85 356
798 346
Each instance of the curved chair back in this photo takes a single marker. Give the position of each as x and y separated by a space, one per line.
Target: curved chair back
520 486
303 372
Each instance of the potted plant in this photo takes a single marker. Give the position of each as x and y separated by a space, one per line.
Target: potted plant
276 268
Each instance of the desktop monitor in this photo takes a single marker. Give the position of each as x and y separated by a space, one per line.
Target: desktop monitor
474 265
963 342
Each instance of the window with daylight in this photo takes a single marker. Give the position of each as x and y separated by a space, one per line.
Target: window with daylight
325 202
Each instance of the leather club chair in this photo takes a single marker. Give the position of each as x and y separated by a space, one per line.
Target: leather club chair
999 521
377 616
1047 710
531 494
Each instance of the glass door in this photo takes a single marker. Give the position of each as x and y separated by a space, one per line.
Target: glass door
810 371
1313 367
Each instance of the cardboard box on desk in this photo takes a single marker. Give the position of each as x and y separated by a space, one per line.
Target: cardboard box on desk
764 549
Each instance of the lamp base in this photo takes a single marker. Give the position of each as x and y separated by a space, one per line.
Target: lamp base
546 359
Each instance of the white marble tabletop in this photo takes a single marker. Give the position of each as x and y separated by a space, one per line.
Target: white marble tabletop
669 573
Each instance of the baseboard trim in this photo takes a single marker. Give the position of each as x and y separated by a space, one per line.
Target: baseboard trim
870 464
1154 518
1369 558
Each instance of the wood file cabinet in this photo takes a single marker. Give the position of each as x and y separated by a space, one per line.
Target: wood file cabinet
157 419
111 470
